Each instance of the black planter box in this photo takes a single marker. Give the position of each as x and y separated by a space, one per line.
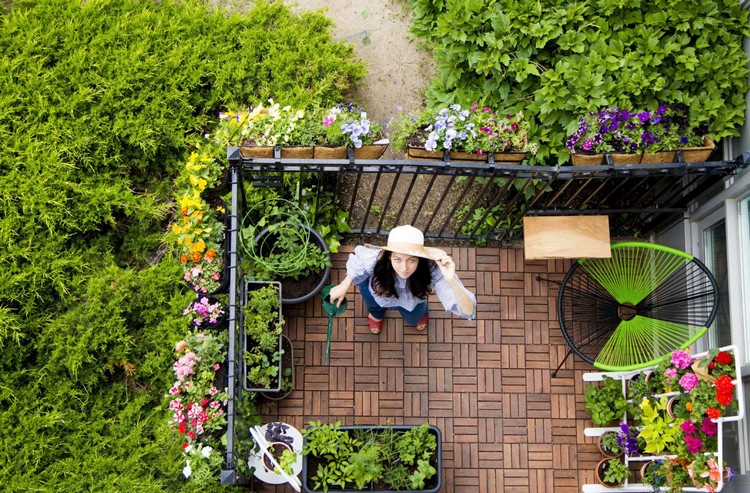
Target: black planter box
252 286
432 485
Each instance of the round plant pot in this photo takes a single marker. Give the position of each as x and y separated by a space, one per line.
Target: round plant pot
276 449
295 291
599 473
606 452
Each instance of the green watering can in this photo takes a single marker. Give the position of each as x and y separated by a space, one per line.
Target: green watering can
333 311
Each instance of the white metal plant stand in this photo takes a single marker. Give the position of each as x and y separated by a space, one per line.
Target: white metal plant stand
624 377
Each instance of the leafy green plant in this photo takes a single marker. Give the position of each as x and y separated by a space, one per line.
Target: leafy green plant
557 60
288 458
615 471
279 243
359 457
609 443
263 325
657 431
605 402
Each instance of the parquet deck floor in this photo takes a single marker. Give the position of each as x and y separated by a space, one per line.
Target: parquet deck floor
507 425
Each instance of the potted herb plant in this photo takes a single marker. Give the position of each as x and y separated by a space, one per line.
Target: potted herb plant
609 445
262 322
605 402
371 458
287 372
611 472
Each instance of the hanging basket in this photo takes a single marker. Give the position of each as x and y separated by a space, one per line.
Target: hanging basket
329 152
370 151
699 154
297 152
251 151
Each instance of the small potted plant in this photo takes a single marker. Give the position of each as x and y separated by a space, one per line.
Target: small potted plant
652 474
605 402
609 445
611 472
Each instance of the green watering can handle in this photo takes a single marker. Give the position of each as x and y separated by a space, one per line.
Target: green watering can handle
332 310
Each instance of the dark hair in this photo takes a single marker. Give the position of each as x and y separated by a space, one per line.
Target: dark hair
384 278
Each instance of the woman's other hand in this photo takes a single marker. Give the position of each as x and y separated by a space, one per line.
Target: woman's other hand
447 267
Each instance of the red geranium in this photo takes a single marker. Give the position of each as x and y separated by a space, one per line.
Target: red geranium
724 385
713 413
723 358
724 398
183 427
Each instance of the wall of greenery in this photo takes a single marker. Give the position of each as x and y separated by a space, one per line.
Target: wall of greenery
98 102
557 59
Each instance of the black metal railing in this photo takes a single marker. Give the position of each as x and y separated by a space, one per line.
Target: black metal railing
487 201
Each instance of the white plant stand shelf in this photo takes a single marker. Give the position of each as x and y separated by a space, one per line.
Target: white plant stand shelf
624 377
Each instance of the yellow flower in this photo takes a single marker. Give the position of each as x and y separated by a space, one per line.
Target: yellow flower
197 182
197 247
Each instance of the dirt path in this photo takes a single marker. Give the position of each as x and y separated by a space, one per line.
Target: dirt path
399 70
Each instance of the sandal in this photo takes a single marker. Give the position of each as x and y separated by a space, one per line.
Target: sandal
374 325
422 324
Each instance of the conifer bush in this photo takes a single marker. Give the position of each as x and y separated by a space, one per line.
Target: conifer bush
98 103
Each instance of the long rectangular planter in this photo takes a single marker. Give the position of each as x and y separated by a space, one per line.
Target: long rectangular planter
253 286
433 485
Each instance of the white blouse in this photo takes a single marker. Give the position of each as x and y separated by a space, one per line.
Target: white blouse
361 265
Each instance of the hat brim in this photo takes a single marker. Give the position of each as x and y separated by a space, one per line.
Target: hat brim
430 253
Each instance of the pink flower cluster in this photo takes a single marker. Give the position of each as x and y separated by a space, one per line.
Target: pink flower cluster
196 404
183 367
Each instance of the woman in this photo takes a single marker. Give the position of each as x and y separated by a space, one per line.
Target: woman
401 275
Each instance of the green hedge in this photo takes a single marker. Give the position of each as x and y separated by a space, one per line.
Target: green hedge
557 59
98 102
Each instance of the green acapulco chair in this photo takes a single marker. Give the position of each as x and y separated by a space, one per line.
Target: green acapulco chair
634 309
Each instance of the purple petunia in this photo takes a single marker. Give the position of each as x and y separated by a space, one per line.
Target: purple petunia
694 444
709 427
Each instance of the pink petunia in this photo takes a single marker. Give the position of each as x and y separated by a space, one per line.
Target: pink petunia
689 381
681 359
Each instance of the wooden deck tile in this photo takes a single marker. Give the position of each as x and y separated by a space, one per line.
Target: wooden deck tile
506 424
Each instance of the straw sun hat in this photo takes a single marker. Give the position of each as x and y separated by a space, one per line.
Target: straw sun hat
409 241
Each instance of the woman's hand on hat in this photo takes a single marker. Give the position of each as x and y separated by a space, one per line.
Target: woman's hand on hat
447 267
